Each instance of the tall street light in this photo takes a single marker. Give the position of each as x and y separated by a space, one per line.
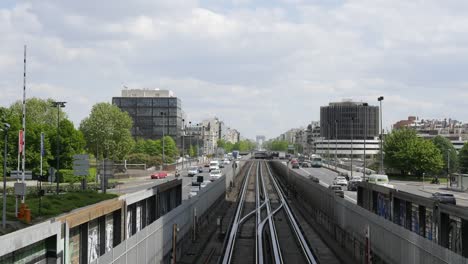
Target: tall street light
183 142
380 99
58 105
352 137
365 136
6 127
336 144
163 144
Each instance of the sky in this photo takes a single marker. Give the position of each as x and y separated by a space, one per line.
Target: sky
262 67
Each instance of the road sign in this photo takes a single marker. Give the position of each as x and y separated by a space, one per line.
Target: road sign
19 175
81 165
20 188
290 146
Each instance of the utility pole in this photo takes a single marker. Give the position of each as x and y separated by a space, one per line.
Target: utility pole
336 144
6 127
183 142
365 137
382 171
57 174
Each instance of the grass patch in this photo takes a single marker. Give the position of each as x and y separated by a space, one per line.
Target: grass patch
53 205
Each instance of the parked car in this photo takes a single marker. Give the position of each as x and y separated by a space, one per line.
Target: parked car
445 198
353 183
159 175
196 181
215 174
340 180
337 190
200 169
192 171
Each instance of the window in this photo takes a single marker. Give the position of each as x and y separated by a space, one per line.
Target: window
146 102
146 111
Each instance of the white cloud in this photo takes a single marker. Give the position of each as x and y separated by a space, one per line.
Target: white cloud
263 67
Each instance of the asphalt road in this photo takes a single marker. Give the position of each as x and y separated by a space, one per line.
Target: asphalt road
326 177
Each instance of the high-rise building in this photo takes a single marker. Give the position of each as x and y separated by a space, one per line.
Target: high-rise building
154 112
336 120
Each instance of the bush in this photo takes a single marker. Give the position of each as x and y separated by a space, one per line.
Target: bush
68 176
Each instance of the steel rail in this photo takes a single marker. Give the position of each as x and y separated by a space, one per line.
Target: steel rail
302 241
235 226
273 234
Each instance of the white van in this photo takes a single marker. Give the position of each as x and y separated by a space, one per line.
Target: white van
214 165
379 179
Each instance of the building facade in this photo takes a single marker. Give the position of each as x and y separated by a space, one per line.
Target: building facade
347 119
154 113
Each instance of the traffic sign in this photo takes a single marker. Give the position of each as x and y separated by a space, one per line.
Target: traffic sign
81 165
19 175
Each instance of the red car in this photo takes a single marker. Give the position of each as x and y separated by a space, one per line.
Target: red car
159 175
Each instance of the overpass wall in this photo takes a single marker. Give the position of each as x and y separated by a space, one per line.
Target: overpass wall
153 244
347 223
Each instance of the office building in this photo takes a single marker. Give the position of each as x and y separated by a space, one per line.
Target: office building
336 120
154 112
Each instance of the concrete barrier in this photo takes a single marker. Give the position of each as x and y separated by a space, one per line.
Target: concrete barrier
347 223
153 244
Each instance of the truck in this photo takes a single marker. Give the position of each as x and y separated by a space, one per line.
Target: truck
282 155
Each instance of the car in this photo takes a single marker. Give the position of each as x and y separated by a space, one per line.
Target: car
204 184
221 164
192 171
194 191
295 165
379 179
215 174
343 173
159 175
226 162
196 181
314 179
353 183
337 190
445 198
206 165
200 169
306 164
340 180
214 165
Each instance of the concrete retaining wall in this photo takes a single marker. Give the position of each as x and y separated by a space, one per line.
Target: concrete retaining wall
346 222
153 244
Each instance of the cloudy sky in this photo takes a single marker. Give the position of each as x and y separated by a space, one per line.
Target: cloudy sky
261 66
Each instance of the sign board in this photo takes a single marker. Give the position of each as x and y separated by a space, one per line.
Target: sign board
19 175
290 146
81 165
107 169
20 188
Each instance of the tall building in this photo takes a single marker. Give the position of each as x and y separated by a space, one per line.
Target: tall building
154 112
336 120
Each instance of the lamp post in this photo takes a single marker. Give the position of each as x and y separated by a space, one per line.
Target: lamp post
58 105
380 99
352 137
163 144
183 142
328 143
191 134
6 127
336 144
365 136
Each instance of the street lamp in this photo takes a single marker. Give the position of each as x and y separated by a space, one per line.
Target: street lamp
380 99
6 127
336 144
163 144
352 137
365 135
183 142
58 105
191 135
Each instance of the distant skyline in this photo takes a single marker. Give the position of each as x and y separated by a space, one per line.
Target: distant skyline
263 67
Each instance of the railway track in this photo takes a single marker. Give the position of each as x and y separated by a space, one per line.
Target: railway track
264 229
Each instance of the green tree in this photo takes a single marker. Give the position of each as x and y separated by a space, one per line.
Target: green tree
72 142
463 158
192 151
277 145
406 152
448 152
107 131
170 149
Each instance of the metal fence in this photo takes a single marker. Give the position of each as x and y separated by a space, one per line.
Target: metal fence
347 223
153 244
